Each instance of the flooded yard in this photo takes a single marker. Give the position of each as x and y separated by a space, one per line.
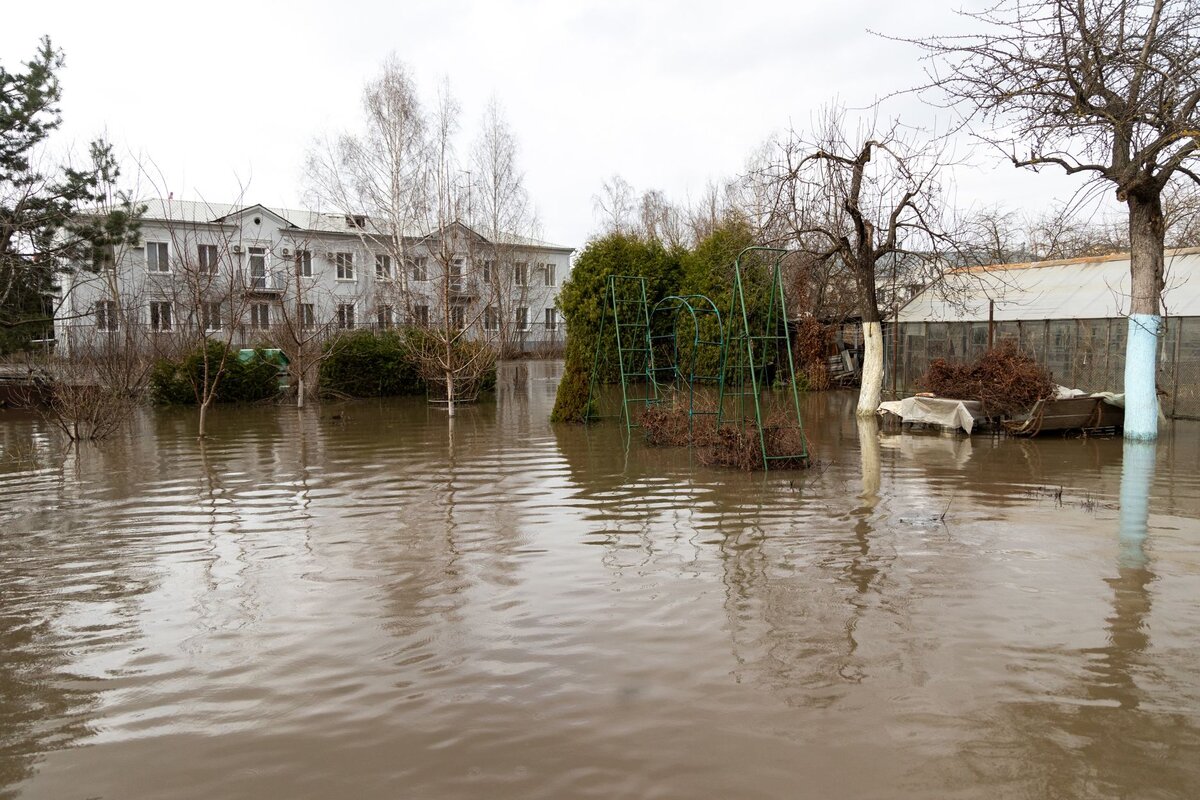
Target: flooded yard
363 601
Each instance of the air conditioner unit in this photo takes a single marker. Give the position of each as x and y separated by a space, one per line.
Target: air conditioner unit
287 253
237 249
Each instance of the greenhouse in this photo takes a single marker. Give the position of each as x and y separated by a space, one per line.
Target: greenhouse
1070 314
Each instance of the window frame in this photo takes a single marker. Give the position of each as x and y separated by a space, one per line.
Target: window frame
162 257
260 316
521 318
491 318
207 316
385 316
107 320
303 261
384 260
521 274
343 262
550 270
157 307
551 318
308 316
207 266
345 316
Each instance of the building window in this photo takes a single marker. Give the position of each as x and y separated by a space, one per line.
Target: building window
491 319
207 255
160 316
420 268
386 317
356 221
551 276
551 319
489 269
458 316
420 316
156 257
383 265
456 275
523 318
258 267
260 316
521 274
308 316
210 316
106 316
345 315
304 263
345 266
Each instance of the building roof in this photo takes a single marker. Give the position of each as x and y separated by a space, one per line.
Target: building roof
194 212
1075 288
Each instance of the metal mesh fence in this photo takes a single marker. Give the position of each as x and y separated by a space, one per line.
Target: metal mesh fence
1086 354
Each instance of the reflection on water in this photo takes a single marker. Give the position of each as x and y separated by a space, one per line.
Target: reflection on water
363 601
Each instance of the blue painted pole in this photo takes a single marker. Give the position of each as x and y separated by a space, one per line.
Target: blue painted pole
1141 368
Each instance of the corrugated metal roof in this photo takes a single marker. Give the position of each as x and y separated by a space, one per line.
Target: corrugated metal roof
196 212
1077 288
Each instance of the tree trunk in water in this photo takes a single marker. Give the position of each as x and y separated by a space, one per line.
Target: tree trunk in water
300 390
1147 231
450 392
872 369
203 419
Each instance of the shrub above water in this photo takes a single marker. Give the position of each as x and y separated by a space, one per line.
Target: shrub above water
365 364
179 382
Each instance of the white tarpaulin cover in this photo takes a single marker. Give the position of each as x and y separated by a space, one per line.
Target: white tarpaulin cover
936 410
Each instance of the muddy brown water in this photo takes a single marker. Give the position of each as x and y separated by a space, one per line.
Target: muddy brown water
359 601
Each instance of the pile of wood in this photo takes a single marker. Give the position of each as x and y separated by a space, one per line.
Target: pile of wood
1005 380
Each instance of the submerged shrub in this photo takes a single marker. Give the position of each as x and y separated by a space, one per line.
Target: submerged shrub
365 364
178 382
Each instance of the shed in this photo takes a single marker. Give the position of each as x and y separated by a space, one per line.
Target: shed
1070 314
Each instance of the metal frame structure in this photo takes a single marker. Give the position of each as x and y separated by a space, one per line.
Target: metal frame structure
625 301
753 357
665 347
751 351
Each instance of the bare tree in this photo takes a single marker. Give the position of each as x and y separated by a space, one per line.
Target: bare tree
1107 89
380 176
205 300
501 213
866 201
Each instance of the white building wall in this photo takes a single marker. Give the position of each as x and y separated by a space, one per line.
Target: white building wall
258 228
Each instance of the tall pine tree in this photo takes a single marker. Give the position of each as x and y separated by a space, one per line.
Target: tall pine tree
52 220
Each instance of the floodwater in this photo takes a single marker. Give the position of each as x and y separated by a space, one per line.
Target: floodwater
359 601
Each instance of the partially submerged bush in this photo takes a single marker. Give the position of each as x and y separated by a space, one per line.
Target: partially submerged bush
1005 380
732 444
180 382
363 364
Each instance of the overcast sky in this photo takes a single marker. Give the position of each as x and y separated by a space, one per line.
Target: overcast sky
669 94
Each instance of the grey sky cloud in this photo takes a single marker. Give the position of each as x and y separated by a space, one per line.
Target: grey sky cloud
667 94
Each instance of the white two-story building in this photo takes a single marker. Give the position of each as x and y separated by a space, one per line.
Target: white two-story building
252 270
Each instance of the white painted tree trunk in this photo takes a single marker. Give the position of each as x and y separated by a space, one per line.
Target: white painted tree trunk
450 392
872 370
300 391
1141 389
868 450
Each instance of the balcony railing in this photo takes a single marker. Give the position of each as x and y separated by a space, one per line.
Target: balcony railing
267 283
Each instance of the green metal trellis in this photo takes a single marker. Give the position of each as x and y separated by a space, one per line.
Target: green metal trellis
703 343
758 351
626 311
